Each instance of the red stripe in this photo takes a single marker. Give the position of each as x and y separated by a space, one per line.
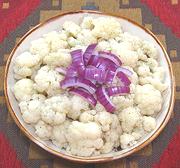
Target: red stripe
171 155
169 14
18 10
8 157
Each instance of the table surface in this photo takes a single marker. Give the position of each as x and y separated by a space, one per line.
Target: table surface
35 157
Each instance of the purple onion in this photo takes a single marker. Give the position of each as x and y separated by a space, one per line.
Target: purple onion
61 70
123 78
104 99
117 90
111 57
78 82
84 94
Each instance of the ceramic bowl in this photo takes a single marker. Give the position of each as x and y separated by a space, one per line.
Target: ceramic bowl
55 23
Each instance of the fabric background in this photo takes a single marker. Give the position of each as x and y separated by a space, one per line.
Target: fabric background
146 14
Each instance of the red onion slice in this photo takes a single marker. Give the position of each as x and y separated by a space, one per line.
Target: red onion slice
78 82
84 94
117 90
104 99
88 52
61 70
111 57
124 79
77 60
125 71
72 71
95 74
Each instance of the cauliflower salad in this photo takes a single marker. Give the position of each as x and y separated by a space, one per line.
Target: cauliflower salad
76 120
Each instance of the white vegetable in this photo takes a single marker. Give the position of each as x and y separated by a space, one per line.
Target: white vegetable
25 64
104 119
106 28
84 138
31 109
60 58
149 49
43 130
127 140
130 118
23 89
72 28
122 102
54 40
87 116
47 80
148 99
59 134
55 109
39 47
149 123
86 37
78 106
87 23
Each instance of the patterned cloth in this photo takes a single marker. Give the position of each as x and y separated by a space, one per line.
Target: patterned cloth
161 16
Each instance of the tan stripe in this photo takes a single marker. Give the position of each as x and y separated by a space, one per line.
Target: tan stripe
133 14
72 5
121 163
174 2
133 164
2 68
176 69
147 151
162 39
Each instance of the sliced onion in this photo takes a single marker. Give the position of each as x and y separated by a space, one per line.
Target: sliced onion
125 71
124 79
95 74
88 52
111 57
117 90
78 82
84 94
104 99
77 60
61 70
72 72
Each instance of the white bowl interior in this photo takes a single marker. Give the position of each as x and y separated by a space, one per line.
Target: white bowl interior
77 17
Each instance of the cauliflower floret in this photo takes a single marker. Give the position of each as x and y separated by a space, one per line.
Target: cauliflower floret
152 63
72 28
106 27
60 58
87 23
47 80
74 42
127 140
78 106
148 99
63 35
99 107
143 70
84 138
103 45
25 64
23 89
31 109
104 119
111 137
149 49
135 42
55 109
159 73
138 132
130 118
149 123
134 76
53 39
59 134
39 47
43 130
86 37
87 116
122 102
126 55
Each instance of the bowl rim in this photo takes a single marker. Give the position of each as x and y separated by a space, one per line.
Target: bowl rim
90 159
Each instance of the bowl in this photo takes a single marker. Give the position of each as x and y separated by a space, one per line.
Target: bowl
55 23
